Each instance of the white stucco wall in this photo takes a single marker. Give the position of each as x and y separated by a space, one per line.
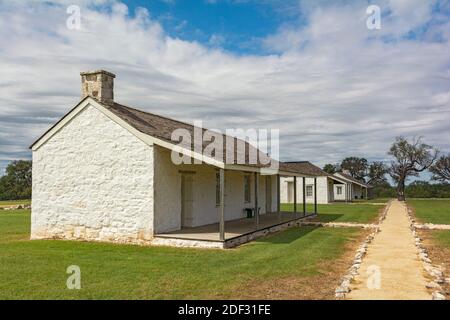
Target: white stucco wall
342 196
93 180
323 185
168 193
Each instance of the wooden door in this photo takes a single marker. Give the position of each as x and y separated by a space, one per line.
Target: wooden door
268 194
187 200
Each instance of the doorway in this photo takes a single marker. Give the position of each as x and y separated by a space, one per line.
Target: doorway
330 191
268 194
187 200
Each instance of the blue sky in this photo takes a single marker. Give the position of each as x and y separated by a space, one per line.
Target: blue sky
311 69
230 24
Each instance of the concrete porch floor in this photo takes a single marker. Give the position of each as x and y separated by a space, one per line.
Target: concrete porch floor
234 228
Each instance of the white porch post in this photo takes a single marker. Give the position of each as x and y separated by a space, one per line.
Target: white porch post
222 205
295 194
278 194
315 195
256 200
304 196
278 197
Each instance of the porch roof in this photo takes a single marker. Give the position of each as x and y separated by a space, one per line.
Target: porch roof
351 179
303 167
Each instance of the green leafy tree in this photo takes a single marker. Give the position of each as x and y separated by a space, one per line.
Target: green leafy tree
16 183
356 167
377 173
441 169
409 159
424 189
383 190
329 168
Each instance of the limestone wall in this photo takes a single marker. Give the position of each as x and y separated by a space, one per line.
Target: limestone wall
93 180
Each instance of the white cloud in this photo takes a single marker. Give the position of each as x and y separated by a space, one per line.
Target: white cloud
216 40
334 88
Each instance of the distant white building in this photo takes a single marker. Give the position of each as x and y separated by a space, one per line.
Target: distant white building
325 188
353 188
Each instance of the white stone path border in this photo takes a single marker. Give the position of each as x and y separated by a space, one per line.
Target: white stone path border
431 226
15 207
435 272
344 287
339 224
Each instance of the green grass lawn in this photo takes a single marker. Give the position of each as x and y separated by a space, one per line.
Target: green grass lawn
341 212
14 202
441 237
37 269
431 211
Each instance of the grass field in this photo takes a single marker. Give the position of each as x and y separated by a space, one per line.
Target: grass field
297 263
341 212
431 211
14 202
442 237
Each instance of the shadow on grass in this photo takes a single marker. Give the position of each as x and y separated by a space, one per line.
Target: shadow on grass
287 236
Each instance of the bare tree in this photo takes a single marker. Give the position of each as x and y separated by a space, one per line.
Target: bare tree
441 169
409 160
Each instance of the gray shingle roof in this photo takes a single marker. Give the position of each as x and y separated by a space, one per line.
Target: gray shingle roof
303 167
163 127
349 177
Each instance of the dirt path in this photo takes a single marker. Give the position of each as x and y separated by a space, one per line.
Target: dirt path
392 257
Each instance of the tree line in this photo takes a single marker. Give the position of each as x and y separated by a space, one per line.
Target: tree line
408 159
16 183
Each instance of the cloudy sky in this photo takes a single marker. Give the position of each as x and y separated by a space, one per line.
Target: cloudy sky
312 69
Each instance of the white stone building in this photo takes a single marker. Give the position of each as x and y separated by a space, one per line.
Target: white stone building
104 172
324 188
352 190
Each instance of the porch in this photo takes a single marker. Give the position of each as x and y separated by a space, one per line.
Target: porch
236 231
210 209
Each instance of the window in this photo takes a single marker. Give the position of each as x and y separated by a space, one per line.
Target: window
217 188
339 190
309 191
247 193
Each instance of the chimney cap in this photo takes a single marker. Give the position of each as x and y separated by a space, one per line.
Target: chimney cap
96 72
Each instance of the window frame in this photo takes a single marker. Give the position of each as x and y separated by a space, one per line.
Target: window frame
309 189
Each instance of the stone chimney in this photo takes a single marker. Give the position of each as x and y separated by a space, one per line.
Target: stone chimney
99 85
